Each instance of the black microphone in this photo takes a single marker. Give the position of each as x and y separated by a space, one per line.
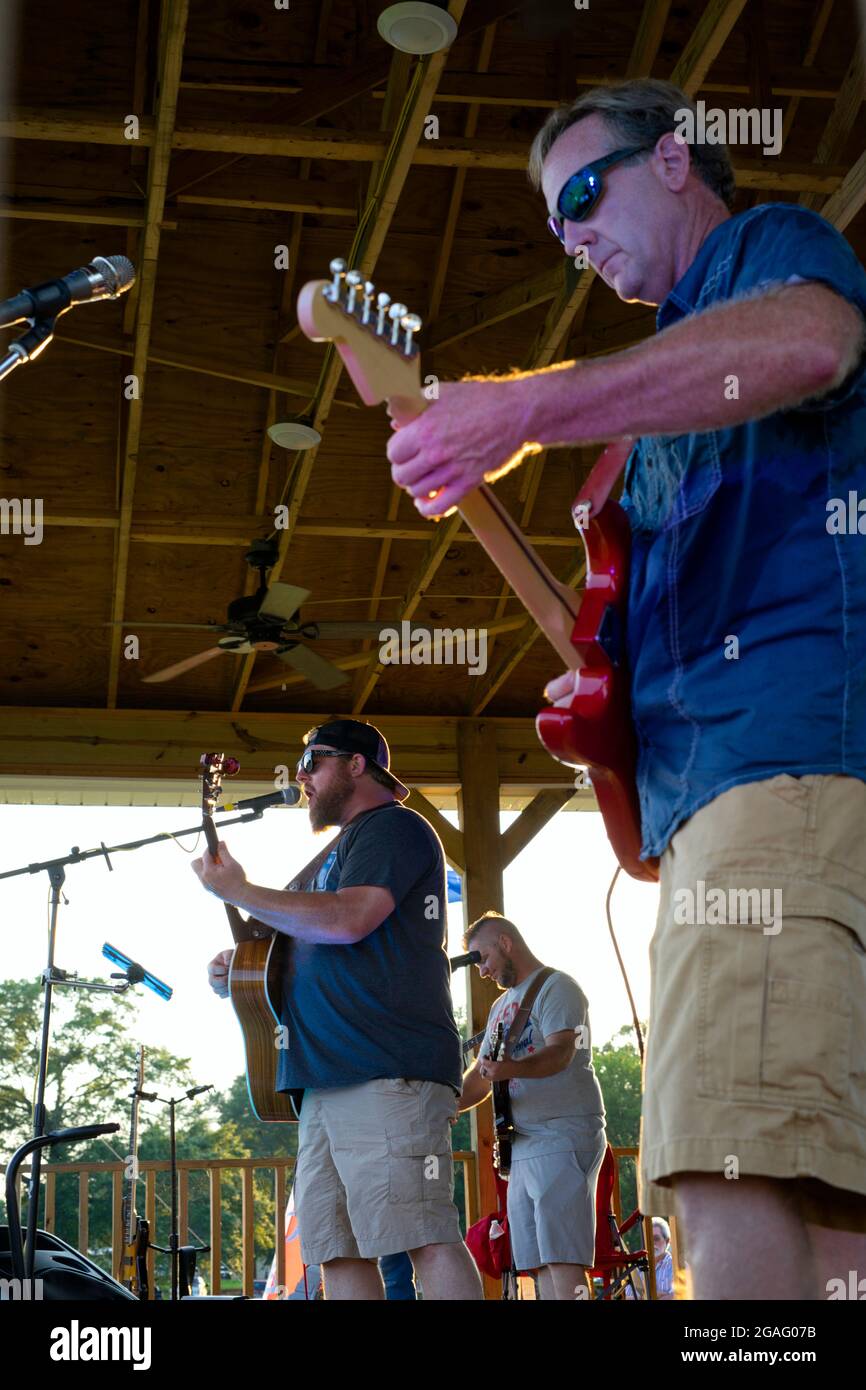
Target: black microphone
288 796
105 277
469 959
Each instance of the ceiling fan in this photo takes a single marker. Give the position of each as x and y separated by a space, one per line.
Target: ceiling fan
269 621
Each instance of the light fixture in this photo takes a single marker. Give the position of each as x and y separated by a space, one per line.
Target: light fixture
294 434
417 28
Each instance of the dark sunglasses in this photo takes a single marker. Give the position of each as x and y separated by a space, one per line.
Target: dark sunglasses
580 194
308 761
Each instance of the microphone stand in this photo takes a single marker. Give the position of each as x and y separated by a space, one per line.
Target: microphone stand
51 976
28 346
173 1248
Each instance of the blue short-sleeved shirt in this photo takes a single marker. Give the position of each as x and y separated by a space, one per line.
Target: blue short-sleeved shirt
380 1007
747 612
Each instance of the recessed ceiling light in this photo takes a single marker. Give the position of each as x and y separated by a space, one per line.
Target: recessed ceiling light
417 28
294 434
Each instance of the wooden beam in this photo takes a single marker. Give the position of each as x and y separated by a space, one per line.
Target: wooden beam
533 818
172 35
647 40
352 147
493 308
849 197
707 39
809 57
297 195
478 805
369 239
98 215
840 123
451 837
167 744
247 376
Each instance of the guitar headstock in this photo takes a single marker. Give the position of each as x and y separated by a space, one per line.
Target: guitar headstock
374 337
214 767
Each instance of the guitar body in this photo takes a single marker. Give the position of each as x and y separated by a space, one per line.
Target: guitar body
255 988
594 728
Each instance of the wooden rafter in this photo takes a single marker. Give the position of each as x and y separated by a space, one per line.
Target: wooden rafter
647 40
533 818
373 228
705 44
817 34
840 122
849 198
173 33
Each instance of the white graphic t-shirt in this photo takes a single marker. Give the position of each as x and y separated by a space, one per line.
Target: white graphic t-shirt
551 1114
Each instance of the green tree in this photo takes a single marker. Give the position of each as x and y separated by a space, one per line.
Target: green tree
618 1068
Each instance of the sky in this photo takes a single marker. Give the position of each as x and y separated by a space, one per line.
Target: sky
153 909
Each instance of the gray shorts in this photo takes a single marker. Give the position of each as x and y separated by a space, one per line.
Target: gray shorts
551 1207
375 1174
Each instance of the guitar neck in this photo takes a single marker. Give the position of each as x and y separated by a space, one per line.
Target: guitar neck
242 929
551 603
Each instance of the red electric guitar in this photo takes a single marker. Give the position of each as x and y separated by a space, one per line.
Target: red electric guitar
592 727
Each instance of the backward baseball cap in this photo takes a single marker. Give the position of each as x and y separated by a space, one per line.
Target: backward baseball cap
354 736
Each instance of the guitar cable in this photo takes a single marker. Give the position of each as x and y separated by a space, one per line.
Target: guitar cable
635 1019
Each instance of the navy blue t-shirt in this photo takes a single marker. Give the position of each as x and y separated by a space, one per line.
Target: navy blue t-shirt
380 1007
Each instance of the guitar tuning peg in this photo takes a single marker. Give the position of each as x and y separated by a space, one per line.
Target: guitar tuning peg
395 314
369 288
338 270
354 280
382 300
412 325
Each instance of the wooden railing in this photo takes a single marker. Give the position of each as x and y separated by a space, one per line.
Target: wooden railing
215 1169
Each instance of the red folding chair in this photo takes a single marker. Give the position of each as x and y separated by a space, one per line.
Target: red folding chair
615 1265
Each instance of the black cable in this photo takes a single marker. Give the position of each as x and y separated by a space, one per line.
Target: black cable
635 1019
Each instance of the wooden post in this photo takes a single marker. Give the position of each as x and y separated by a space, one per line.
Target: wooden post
478 803
216 1253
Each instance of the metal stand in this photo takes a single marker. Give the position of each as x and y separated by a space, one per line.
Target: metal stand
28 346
51 976
173 1249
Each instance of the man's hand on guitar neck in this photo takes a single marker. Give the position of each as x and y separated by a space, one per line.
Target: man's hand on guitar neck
226 879
473 433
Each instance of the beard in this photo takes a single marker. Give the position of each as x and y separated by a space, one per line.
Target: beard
327 807
509 975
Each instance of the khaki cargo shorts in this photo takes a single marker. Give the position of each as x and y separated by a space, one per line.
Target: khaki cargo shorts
374 1174
756 1053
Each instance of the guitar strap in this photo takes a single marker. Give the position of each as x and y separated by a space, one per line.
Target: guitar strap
518 1023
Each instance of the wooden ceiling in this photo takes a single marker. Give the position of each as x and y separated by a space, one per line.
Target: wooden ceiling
298 127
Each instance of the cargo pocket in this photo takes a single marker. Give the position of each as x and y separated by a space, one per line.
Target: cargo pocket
420 1169
807 1039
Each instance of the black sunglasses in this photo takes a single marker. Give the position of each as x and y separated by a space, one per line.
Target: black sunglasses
308 760
580 194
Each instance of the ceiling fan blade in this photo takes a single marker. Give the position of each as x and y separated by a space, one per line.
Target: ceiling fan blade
283 601
324 675
333 630
188 664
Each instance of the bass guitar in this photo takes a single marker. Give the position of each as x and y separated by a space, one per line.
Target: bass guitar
591 727
503 1124
132 1267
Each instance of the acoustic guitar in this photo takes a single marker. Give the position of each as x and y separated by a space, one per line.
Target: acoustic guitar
592 727
503 1124
256 971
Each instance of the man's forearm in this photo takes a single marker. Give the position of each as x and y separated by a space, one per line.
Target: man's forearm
547 1061
780 347
317 917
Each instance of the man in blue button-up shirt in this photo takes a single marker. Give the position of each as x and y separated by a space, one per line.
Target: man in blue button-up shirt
746 642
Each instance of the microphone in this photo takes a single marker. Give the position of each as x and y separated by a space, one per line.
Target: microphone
469 959
105 277
288 796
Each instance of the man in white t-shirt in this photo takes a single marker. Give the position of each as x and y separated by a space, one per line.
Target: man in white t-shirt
556 1105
